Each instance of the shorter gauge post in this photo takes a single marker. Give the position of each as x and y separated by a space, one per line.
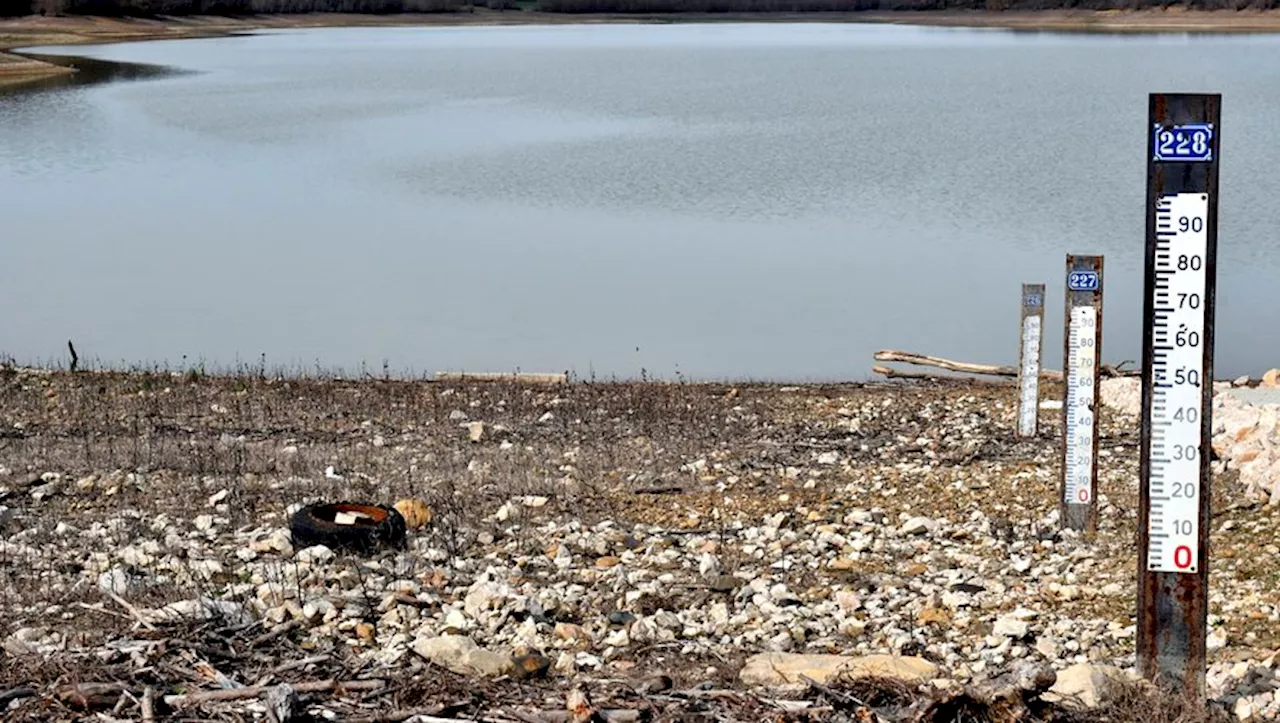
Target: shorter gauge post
1177 388
1082 340
1029 360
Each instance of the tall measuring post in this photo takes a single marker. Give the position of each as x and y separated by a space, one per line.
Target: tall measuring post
1183 131
1077 506
1029 360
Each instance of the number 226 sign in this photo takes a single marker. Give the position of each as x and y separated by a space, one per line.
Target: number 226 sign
1193 142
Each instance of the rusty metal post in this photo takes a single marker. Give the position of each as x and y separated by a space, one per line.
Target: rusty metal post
1082 352
1177 387
1032 324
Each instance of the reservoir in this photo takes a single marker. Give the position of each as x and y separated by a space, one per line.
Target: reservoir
703 201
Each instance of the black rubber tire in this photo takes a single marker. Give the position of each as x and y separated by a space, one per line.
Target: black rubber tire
314 525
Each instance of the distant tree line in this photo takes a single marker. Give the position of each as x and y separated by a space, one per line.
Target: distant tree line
146 8
732 6
149 8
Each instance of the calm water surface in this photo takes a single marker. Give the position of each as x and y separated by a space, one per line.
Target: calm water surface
719 201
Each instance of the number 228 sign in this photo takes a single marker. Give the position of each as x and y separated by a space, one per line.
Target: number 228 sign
1192 142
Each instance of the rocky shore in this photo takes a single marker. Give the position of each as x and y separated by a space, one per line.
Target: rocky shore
623 551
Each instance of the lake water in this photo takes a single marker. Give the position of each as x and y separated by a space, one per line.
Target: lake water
767 201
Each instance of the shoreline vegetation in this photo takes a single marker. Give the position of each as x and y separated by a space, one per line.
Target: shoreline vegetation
113 26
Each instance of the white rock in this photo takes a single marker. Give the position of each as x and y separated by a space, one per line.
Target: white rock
919 526
319 609
1010 627
1243 708
315 553
775 669
203 523
116 581
278 541
1216 640
828 458
508 511
206 569
461 655
456 619
848 601
1084 683
201 609
483 596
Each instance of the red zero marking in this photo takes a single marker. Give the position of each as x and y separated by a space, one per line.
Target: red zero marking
1183 552
1083 495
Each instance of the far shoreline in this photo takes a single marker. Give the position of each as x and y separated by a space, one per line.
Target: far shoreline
36 30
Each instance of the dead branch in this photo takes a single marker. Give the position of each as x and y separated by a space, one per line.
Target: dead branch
274 633
619 715
417 714
130 609
16 694
319 686
294 665
87 696
405 598
660 490
901 373
906 357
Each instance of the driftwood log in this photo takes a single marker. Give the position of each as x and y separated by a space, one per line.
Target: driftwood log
906 357
518 377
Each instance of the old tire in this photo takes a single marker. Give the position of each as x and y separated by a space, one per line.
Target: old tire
376 527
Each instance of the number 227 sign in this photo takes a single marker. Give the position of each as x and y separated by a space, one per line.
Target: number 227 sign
1187 143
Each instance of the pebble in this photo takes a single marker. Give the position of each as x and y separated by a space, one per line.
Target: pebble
918 526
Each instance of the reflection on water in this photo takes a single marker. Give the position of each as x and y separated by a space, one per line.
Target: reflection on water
767 201
89 71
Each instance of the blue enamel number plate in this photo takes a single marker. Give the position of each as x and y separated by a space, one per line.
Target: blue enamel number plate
1082 281
1192 142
